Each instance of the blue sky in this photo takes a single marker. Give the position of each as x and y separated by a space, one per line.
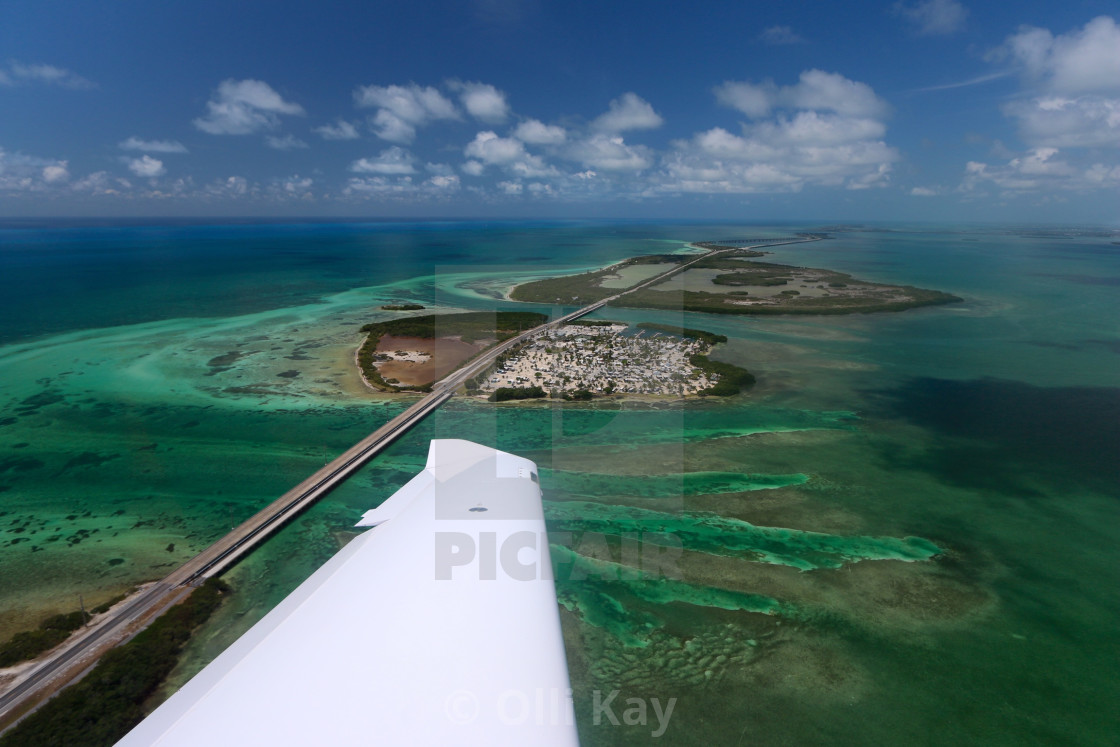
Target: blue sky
913 110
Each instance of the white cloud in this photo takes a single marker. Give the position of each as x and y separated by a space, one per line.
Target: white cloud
754 100
444 182
1080 62
56 173
152 146
1079 75
230 187
812 128
779 36
473 168
1070 104
100 183
488 149
19 172
934 17
816 90
19 73
401 187
1040 169
627 112
923 192
1056 121
391 161
287 142
341 130
535 132
146 166
241 107
511 188
483 101
293 187
610 153
826 130
402 109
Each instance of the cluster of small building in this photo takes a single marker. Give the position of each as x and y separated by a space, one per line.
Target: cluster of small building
603 360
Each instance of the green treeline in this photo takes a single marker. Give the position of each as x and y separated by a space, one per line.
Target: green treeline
585 286
30 643
505 393
714 303
732 378
469 327
696 334
105 704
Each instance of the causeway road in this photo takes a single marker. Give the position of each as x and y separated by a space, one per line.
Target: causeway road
116 625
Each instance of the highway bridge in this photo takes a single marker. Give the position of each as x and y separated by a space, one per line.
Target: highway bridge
84 647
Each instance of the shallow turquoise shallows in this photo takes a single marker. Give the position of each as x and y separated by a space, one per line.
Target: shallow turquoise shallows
907 532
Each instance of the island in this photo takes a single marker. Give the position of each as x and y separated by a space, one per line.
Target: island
730 283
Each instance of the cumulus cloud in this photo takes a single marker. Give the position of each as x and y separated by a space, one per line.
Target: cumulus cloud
18 73
825 130
482 101
1040 169
391 161
146 166
56 173
1069 107
1086 121
610 153
341 130
101 183
628 112
816 90
401 188
933 17
287 142
293 187
403 109
1078 77
241 107
1080 62
19 172
535 132
230 187
152 146
780 36
488 149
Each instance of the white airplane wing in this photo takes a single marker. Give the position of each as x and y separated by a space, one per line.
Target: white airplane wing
438 626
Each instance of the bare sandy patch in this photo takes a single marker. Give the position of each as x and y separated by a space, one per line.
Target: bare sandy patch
416 361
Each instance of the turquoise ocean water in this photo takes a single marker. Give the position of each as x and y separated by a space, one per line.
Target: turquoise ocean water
908 531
